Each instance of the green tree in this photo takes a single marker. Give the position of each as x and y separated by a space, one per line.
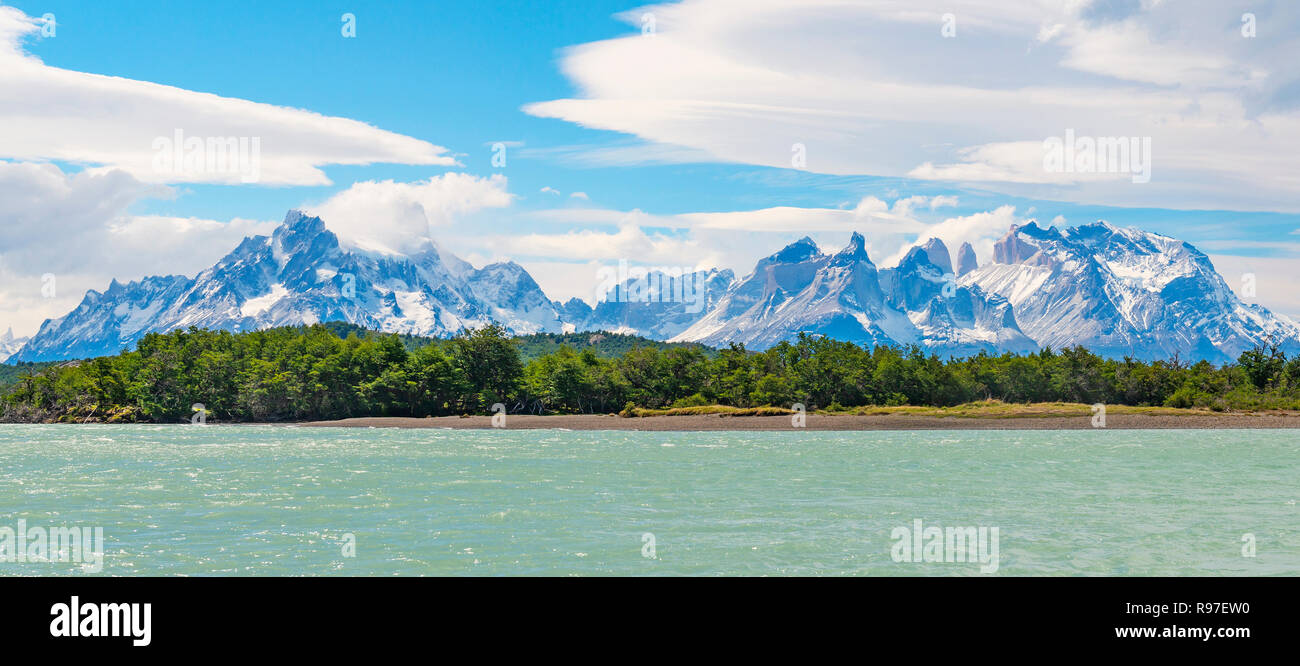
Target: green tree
490 363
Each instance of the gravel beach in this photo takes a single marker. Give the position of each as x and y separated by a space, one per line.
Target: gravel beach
829 422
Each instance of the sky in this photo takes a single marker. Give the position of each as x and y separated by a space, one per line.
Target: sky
568 136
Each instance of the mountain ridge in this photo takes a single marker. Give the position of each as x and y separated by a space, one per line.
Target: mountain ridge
1121 292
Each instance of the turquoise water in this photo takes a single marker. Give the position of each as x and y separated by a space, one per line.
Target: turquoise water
267 500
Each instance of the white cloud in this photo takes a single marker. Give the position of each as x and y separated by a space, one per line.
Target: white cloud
1275 279
397 218
176 245
904 207
629 242
579 195
864 218
628 153
48 113
874 88
77 228
981 230
870 215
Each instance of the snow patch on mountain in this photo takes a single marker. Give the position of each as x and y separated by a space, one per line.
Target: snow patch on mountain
1125 292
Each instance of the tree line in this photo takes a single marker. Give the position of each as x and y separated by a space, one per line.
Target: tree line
313 373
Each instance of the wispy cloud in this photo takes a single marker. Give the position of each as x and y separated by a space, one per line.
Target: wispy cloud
76 227
973 108
870 214
48 113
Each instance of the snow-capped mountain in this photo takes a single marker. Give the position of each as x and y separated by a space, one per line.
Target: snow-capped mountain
951 318
513 298
9 345
658 304
845 297
1124 292
1118 292
572 310
301 275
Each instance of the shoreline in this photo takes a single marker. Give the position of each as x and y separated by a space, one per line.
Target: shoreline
821 422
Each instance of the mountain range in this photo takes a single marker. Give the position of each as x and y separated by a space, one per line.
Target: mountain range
1118 292
9 345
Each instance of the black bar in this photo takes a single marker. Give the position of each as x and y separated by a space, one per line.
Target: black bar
944 618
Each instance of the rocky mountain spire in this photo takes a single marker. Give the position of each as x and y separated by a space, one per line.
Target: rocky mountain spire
966 261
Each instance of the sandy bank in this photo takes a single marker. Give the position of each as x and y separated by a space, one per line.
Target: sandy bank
825 422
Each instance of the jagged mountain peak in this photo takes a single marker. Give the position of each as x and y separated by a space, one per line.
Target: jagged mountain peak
799 251
856 302
857 244
299 232
966 259
10 344
301 275
1032 230
507 268
855 250
503 277
1018 244
1102 225
295 217
937 252
915 255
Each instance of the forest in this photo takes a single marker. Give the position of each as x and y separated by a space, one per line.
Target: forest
333 371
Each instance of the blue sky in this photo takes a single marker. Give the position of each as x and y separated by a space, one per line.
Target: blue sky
656 140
